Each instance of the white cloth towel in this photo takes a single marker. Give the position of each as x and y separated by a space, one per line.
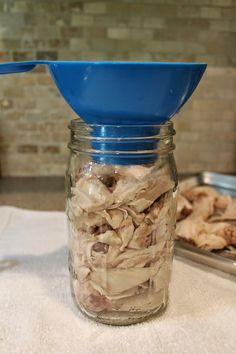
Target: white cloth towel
37 314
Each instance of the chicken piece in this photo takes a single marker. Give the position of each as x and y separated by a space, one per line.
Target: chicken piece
191 226
105 260
203 207
114 217
115 281
100 247
153 213
82 248
138 261
222 201
98 230
162 218
205 235
90 298
126 232
135 171
209 241
94 169
189 229
91 252
109 181
187 184
110 237
216 236
120 237
225 230
139 194
91 195
142 172
72 209
114 258
126 190
141 235
130 257
146 301
184 207
156 188
82 273
87 221
229 214
199 192
161 279
208 205
137 217
121 296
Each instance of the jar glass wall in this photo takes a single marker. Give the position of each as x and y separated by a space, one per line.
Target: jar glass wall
121 206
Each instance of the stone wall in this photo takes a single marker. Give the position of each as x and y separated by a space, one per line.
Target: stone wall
33 116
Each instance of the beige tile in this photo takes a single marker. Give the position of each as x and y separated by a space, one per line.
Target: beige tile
34 116
95 7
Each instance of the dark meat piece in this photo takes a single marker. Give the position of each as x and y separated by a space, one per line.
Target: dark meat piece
100 247
98 230
109 181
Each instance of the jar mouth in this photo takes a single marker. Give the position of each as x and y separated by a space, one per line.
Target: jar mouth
122 144
117 132
76 124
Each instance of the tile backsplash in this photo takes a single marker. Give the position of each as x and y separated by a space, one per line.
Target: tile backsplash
33 116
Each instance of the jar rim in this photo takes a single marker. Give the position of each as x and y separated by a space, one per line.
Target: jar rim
122 144
77 123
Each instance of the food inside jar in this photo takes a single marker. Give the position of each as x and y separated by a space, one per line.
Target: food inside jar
121 236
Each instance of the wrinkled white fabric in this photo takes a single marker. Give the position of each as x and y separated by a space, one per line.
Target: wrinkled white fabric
37 314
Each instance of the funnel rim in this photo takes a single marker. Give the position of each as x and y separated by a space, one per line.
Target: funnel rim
124 62
102 62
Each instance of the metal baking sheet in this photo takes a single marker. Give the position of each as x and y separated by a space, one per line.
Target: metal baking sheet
224 260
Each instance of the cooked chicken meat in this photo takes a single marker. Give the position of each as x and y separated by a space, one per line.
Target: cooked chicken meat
121 224
184 207
204 218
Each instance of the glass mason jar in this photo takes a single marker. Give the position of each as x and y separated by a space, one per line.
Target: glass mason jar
121 206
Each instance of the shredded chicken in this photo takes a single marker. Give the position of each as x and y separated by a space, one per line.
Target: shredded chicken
121 225
91 195
204 217
226 209
200 191
184 207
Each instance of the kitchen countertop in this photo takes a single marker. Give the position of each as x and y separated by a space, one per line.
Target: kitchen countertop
37 193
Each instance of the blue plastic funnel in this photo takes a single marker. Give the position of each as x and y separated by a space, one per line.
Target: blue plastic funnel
120 93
